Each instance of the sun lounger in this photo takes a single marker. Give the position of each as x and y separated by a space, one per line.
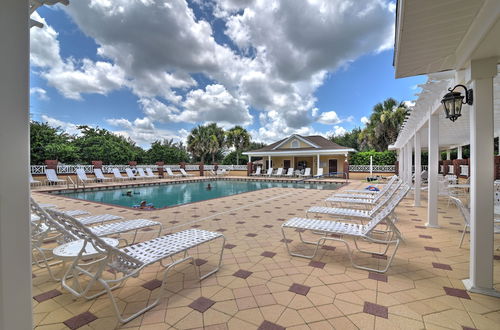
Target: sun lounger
118 175
129 261
34 182
373 192
257 171
150 174
356 213
320 173
142 174
367 193
170 174
307 172
336 231
82 176
289 172
100 176
269 171
130 174
279 172
184 173
52 177
222 172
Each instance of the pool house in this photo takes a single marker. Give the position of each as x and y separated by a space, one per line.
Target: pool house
301 152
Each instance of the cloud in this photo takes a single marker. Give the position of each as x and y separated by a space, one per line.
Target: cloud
277 55
329 118
214 104
365 120
67 127
40 93
337 131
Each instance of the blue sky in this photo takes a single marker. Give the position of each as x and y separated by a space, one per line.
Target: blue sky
154 71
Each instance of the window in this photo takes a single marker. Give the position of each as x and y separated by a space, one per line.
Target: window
295 144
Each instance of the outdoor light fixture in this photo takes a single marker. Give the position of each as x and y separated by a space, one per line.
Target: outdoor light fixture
453 101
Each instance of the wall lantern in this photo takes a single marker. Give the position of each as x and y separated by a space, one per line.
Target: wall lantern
453 101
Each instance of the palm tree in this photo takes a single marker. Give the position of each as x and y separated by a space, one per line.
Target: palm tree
385 123
216 139
238 138
197 142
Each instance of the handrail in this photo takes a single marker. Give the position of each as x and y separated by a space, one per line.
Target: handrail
72 182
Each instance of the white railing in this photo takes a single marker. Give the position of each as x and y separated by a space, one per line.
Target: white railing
375 168
451 169
71 169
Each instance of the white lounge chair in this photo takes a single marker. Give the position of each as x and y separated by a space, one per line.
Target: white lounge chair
320 173
142 174
336 231
356 213
171 174
289 173
307 172
129 261
52 177
184 173
279 172
466 215
46 227
366 202
34 182
373 192
130 174
82 176
118 175
222 172
150 174
100 176
367 193
269 171
257 171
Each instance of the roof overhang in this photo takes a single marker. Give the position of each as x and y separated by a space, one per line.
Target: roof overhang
299 152
298 137
434 36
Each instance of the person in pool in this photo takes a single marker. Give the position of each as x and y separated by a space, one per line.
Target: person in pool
209 187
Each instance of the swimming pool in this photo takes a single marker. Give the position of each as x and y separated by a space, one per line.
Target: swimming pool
165 195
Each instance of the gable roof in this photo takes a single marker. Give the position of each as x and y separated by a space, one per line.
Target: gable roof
317 142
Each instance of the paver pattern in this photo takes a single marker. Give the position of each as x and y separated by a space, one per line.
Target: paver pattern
261 287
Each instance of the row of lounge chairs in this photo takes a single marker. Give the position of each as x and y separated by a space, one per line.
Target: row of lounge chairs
290 172
98 260
142 173
361 220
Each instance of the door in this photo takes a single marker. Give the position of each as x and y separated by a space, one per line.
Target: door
287 163
332 165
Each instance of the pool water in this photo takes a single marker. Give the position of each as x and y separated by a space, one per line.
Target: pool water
181 193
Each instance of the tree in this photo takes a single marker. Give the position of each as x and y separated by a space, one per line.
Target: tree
197 142
101 144
217 140
166 151
238 138
232 157
348 139
47 142
383 128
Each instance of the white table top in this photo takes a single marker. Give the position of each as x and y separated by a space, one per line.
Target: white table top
71 249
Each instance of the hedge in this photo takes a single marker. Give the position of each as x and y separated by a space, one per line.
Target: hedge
379 158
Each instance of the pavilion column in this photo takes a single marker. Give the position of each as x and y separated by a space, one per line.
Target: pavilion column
400 163
15 240
249 158
480 75
418 167
433 169
317 170
459 152
405 162
269 162
448 154
409 171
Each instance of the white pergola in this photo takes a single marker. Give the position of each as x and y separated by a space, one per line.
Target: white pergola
454 42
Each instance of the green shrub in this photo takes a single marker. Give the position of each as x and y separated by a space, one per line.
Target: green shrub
379 158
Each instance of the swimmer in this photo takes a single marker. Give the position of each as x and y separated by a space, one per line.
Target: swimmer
128 193
209 187
143 205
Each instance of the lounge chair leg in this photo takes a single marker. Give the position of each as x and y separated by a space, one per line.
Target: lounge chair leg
463 235
202 277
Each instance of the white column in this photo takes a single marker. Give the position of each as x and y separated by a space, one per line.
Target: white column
249 158
448 154
418 168
410 162
400 162
480 74
432 195
269 162
317 171
15 251
459 152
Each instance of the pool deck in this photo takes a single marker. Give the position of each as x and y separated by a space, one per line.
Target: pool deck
260 285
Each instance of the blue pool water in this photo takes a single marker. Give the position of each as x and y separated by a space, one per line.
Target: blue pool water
182 193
